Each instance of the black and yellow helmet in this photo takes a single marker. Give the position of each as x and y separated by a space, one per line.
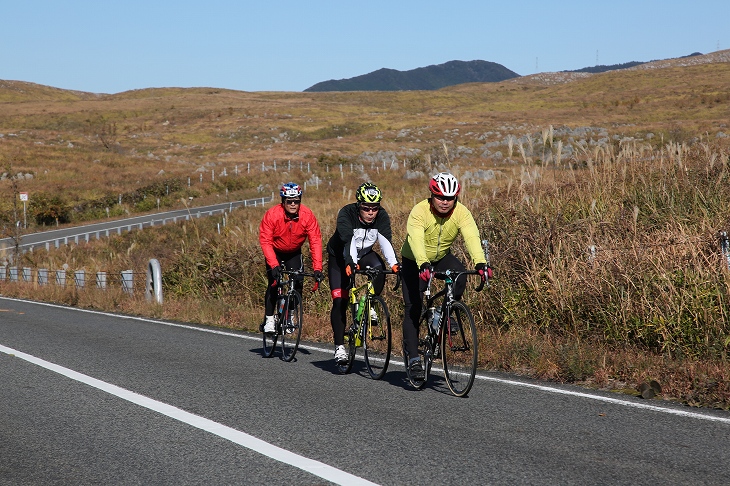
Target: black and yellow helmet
368 193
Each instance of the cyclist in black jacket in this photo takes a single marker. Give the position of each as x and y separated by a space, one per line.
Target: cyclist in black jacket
359 226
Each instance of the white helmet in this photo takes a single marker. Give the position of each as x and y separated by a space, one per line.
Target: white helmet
444 184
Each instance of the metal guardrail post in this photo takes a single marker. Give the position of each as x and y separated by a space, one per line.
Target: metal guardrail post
61 278
80 278
153 289
128 281
725 247
101 280
42 276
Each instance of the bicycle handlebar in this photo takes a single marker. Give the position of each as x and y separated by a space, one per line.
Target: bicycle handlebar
454 274
372 272
300 272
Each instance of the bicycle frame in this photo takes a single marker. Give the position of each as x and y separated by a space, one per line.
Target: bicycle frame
361 306
447 293
454 345
288 314
367 308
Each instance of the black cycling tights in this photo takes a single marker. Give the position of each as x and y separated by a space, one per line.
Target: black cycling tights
292 261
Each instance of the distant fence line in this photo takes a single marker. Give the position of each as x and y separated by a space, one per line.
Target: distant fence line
124 280
393 164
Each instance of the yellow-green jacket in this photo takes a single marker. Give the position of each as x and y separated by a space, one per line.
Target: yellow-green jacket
430 237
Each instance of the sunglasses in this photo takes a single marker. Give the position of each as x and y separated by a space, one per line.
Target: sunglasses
370 209
293 201
444 198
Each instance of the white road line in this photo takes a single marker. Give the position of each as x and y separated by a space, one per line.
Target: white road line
544 388
616 401
311 466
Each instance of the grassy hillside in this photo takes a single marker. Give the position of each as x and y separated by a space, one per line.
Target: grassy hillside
603 197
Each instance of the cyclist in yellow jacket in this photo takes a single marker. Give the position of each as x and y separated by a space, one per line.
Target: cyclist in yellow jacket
432 228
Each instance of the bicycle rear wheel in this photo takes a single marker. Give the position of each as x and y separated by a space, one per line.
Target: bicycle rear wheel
269 343
424 352
459 349
377 342
291 325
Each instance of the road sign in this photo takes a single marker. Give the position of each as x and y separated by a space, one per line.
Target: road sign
23 196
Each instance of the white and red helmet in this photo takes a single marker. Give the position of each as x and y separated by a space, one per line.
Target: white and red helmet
444 184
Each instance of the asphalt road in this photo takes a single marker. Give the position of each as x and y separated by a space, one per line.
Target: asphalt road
87 232
95 398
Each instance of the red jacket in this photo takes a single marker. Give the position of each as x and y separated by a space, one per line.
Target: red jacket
280 232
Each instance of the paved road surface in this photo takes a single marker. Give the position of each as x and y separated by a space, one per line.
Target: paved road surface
95 398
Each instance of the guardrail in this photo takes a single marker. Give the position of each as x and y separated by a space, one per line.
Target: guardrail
86 236
78 278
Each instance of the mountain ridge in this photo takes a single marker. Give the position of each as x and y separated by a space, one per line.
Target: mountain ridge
432 77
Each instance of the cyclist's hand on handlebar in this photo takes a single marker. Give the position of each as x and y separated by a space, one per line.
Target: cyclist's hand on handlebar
350 269
275 273
485 271
395 268
318 276
425 271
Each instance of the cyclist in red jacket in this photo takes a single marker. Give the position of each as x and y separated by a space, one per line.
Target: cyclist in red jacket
282 232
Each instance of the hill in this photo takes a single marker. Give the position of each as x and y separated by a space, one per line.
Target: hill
425 78
13 91
601 68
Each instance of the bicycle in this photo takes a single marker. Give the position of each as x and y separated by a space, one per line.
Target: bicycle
453 339
288 315
370 327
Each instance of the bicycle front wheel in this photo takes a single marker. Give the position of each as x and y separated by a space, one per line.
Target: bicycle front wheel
291 325
269 343
345 366
377 342
459 349
424 353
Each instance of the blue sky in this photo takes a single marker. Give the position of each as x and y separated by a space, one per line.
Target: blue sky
109 46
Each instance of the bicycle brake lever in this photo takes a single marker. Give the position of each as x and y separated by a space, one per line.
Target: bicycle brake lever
397 282
481 285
